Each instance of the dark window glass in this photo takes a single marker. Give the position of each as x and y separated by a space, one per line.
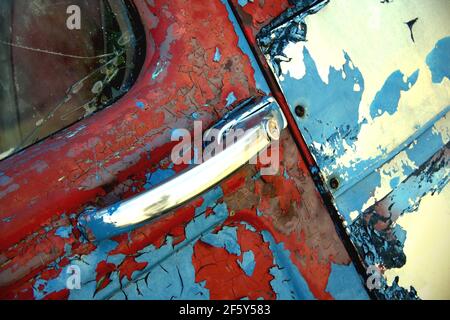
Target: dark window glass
53 74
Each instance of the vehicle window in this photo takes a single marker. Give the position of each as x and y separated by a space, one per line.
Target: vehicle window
61 61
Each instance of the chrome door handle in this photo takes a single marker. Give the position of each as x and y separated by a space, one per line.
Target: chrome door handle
261 121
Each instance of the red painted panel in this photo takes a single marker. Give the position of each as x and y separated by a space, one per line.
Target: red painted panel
111 145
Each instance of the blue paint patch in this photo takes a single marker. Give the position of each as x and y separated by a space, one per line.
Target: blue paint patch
195 116
345 283
288 283
140 105
159 69
400 233
172 276
157 177
116 259
7 219
438 60
248 226
179 132
87 265
4 179
225 238
394 182
248 263
64 232
354 198
387 99
201 223
286 174
257 176
217 55
231 98
67 249
427 142
113 208
242 3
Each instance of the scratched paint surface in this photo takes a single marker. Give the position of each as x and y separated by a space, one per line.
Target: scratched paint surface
251 237
376 100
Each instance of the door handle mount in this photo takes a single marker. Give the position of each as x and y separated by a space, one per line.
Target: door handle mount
261 121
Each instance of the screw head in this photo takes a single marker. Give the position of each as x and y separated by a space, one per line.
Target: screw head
273 129
300 111
334 183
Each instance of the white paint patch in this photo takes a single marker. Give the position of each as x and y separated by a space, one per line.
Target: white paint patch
427 268
296 66
354 215
442 127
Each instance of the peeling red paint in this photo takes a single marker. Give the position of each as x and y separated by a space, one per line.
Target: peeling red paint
225 279
233 183
103 272
191 84
294 213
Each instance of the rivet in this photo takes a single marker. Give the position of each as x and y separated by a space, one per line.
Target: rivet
334 183
300 111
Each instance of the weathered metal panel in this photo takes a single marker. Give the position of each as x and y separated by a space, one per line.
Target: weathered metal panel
368 84
251 237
